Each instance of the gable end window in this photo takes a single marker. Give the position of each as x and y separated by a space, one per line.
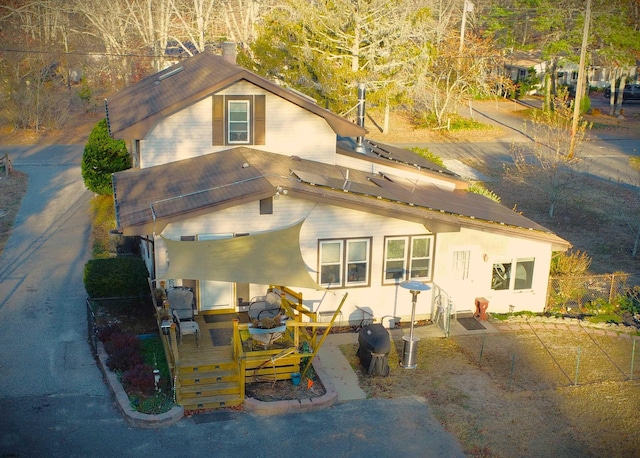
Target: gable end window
238 120
512 275
344 262
407 258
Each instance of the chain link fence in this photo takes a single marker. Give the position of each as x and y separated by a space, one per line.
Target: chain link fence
133 310
588 291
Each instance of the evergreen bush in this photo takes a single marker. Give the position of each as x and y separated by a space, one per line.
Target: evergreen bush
116 277
103 156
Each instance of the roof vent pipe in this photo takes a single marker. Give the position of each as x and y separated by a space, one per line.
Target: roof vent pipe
361 101
229 52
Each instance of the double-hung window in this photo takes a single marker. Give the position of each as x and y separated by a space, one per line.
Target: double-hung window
407 258
515 274
344 262
238 121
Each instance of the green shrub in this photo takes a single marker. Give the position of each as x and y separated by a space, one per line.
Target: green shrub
630 301
428 155
478 188
154 404
116 277
103 156
585 104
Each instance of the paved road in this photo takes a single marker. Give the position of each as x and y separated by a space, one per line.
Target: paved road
53 401
606 154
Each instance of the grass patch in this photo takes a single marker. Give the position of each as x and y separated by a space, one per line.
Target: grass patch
428 155
153 355
605 318
506 316
460 124
103 221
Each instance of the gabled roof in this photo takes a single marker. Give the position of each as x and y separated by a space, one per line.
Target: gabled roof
133 111
148 199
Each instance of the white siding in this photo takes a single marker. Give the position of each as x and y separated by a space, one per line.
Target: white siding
322 222
187 133
290 130
328 222
487 248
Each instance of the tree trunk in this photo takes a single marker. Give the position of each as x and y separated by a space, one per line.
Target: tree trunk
612 95
385 124
547 92
623 81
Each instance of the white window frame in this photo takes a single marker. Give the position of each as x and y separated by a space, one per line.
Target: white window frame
407 259
344 265
461 264
513 272
231 122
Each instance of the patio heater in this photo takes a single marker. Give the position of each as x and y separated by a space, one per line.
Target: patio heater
410 342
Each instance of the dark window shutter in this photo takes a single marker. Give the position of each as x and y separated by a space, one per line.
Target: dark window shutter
218 120
259 120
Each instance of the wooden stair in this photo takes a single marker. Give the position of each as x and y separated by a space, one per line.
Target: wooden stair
209 386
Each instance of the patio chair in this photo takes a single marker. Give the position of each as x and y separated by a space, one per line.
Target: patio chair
268 306
186 327
181 303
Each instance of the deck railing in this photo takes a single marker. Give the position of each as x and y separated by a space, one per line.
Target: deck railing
301 336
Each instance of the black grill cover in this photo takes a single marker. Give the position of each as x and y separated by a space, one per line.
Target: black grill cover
373 351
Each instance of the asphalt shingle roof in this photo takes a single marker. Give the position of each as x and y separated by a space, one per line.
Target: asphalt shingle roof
132 111
160 194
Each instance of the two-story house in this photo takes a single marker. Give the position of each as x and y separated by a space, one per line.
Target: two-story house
240 183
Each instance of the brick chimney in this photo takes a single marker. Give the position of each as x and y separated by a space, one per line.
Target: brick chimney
229 52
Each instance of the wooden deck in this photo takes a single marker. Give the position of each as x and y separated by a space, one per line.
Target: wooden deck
206 353
212 372
208 375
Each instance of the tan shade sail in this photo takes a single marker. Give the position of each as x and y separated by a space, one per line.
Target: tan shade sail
267 258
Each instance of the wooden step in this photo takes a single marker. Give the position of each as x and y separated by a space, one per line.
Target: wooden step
213 367
208 390
211 402
200 378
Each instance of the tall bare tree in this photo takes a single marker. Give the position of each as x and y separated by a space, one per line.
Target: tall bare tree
113 24
327 48
546 164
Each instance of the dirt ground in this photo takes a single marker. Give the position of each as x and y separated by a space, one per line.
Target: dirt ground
514 393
